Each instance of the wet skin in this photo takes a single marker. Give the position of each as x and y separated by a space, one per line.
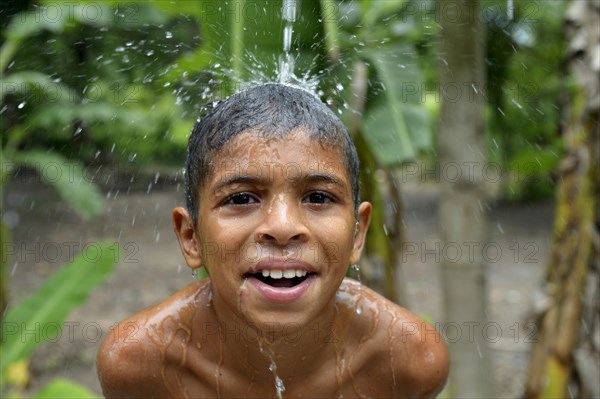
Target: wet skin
277 205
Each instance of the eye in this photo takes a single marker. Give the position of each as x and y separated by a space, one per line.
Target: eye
240 199
318 198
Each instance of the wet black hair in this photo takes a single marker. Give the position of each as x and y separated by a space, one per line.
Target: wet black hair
273 111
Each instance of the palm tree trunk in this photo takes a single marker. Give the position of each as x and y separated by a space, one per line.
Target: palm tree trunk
552 365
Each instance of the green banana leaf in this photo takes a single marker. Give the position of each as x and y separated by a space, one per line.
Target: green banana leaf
64 389
396 125
67 177
53 302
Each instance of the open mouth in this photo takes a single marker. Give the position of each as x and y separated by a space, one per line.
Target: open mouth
281 278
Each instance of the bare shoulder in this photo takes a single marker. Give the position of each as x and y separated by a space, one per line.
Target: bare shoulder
427 354
133 354
411 349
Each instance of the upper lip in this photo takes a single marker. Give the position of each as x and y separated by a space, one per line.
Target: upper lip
281 264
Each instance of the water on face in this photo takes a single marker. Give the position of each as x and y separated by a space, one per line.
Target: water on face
286 75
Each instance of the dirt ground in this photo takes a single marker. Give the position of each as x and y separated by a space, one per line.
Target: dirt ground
137 216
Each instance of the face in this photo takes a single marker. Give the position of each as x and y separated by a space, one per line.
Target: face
276 228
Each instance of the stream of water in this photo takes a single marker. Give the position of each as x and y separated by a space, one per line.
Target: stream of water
286 60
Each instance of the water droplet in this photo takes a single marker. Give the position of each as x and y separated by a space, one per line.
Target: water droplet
517 103
169 35
21 104
510 10
279 386
14 269
150 53
356 268
500 228
479 350
209 298
289 10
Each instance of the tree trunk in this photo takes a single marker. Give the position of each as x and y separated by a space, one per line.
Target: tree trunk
461 214
553 364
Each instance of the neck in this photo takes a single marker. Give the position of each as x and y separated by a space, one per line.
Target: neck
279 349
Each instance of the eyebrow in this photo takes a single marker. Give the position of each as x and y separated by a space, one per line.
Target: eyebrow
237 179
325 178
305 179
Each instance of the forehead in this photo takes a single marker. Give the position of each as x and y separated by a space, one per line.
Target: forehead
251 153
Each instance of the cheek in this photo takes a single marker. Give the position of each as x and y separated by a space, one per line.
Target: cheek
335 241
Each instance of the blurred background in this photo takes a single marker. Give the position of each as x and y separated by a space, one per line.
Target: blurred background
477 127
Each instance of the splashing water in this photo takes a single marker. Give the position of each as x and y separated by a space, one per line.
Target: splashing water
356 269
286 60
510 10
279 387
260 71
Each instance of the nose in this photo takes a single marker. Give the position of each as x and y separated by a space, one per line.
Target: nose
282 224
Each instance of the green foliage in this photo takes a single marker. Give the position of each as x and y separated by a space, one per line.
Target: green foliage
396 125
64 389
145 113
108 110
524 63
67 177
54 300
144 70
529 172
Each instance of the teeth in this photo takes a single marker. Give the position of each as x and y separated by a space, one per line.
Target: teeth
276 274
288 273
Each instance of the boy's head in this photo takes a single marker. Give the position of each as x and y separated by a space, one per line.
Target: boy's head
273 111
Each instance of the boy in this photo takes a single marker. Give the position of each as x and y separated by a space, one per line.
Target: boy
273 214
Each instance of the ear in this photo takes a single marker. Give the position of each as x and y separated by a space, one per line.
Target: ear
186 235
363 220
